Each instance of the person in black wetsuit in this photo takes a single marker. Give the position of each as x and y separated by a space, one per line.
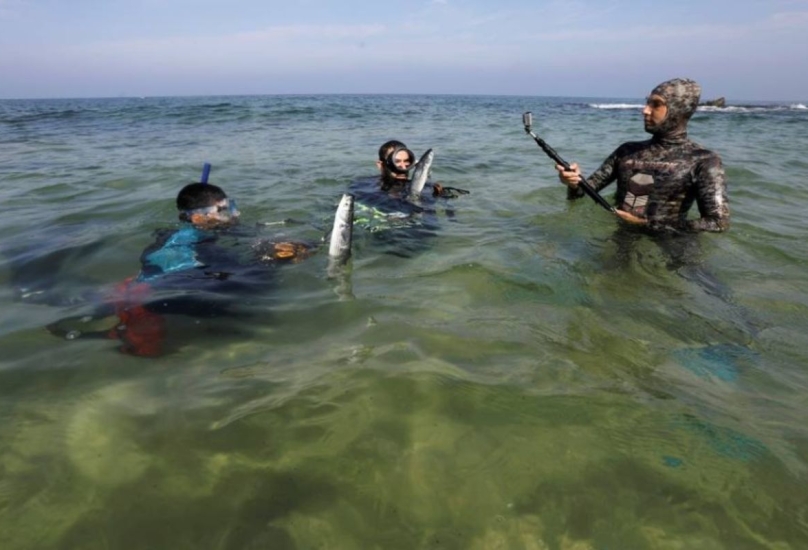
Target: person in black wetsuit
403 224
198 270
660 179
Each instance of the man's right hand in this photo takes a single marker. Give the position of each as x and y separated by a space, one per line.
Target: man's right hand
570 177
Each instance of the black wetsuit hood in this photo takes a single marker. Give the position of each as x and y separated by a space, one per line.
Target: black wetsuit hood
682 97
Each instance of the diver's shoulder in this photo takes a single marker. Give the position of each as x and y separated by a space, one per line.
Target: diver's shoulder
629 147
701 150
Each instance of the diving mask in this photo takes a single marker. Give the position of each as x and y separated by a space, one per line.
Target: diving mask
224 210
397 163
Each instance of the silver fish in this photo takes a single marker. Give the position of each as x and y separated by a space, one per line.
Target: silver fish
342 233
421 172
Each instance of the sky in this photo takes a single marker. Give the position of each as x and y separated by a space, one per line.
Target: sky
739 49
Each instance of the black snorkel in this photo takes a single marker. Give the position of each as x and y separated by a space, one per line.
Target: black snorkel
527 120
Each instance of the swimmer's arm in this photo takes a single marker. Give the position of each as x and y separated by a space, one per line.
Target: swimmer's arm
446 192
291 251
602 177
711 197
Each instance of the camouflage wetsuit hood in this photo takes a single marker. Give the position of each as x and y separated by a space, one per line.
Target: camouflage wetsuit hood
682 99
660 179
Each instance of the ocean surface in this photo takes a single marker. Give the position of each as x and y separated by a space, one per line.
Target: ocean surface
526 379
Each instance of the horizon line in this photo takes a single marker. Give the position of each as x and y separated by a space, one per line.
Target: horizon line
392 94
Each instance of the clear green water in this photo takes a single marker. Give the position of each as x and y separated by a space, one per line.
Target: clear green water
521 383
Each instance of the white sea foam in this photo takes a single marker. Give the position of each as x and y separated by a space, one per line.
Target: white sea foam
616 105
752 108
736 109
708 108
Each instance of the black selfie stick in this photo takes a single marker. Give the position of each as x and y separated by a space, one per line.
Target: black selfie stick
527 119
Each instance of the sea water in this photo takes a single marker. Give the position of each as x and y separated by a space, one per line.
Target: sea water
525 380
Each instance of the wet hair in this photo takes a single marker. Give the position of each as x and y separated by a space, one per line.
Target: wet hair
388 147
199 195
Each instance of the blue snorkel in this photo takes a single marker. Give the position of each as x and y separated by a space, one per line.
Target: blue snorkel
205 173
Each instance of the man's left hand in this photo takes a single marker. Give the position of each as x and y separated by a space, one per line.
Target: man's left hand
630 218
446 192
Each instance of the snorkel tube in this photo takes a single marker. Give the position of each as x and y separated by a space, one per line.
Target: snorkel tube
527 120
205 173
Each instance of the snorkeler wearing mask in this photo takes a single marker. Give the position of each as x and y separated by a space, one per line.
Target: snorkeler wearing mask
204 208
200 269
658 180
394 163
386 205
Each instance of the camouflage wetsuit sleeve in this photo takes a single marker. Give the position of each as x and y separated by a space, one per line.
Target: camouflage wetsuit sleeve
601 177
711 195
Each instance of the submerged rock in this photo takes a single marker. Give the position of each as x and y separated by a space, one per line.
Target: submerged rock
718 102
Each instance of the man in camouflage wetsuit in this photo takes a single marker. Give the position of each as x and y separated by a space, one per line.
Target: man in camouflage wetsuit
659 180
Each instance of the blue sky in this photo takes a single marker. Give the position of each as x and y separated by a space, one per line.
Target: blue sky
741 49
